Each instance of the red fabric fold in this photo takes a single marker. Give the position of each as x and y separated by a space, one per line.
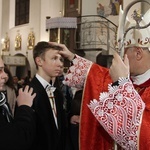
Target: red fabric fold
92 134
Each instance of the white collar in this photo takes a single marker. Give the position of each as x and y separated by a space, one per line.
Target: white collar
141 78
42 81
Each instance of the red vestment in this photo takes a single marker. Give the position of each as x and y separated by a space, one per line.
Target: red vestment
144 140
92 134
95 81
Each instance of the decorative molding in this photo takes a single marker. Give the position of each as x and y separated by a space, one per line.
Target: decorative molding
14 60
61 22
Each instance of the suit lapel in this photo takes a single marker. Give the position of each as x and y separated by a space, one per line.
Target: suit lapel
42 103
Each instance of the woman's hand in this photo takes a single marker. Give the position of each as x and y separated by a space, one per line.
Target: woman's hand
25 96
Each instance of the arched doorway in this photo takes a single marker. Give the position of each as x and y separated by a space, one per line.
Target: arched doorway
17 68
23 71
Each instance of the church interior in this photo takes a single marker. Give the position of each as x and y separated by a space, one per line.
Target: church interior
88 28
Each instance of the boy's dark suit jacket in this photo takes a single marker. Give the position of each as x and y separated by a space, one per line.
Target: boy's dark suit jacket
48 137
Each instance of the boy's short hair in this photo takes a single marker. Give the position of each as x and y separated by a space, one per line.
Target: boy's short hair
41 47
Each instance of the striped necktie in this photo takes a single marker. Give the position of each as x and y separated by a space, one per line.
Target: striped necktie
50 91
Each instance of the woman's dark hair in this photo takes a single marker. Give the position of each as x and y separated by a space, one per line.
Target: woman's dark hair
10 82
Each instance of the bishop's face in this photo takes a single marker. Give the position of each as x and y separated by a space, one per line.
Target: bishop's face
135 59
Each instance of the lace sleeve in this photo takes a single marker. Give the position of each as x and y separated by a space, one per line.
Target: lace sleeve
77 72
120 111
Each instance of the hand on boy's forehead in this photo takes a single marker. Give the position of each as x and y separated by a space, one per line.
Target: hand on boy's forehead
57 47
55 52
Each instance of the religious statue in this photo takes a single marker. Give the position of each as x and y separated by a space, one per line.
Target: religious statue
6 43
31 40
18 41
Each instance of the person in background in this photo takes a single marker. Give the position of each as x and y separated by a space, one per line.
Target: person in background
115 109
67 99
16 133
75 118
66 90
27 80
16 84
48 103
21 82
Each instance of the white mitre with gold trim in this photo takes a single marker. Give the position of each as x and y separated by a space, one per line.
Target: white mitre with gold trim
136 37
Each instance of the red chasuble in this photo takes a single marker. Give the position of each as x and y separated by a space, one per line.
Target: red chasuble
144 140
96 83
92 134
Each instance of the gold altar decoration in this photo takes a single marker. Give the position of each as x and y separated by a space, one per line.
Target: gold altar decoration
31 41
18 41
6 43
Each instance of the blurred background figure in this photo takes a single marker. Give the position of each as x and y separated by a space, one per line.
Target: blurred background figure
16 84
66 90
21 82
67 99
24 81
75 118
27 80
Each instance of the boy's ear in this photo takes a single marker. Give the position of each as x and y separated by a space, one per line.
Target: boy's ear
38 61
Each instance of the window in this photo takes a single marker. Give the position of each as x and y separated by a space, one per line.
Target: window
22 12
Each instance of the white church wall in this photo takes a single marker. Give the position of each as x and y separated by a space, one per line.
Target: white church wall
50 8
39 9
